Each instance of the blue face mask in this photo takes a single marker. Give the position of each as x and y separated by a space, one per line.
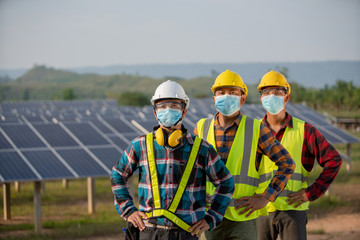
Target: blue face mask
227 104
273 104
169 117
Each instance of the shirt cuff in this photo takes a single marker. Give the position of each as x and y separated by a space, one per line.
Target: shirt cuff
129 212
209 220
269 196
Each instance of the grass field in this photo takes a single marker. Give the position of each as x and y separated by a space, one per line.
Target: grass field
65 214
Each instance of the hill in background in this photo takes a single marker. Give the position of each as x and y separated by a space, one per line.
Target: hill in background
44 83
308 74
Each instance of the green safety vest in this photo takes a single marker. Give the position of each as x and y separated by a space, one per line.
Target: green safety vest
240 163
292 140
170 212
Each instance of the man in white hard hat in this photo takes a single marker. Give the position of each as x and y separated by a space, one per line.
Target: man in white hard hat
287 215
173 165
241 142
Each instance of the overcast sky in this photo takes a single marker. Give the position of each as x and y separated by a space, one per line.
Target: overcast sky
78 33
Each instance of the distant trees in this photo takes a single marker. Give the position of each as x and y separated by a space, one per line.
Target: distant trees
343 95
68 94
25 95
133 99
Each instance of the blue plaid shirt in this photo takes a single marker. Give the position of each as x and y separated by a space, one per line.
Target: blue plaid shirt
170 164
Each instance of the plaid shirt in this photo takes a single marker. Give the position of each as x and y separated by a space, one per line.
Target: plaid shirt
314 147
170 164
267 145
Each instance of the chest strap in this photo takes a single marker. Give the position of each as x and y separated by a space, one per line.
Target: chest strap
170 212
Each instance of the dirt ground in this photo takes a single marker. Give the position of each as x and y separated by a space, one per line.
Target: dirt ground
335 227
331 227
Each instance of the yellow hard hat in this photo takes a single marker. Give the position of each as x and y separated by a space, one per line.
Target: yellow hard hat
273 78
229 79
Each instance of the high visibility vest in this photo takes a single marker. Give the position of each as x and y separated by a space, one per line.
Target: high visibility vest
240 163
169 213
292 140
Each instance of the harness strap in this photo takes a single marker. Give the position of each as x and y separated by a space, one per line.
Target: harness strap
170 212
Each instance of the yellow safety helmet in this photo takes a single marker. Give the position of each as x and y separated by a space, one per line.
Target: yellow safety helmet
273 78
229 79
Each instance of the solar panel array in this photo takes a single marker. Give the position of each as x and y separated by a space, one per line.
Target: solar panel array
78 139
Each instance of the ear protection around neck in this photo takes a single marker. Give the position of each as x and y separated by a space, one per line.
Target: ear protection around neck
172 140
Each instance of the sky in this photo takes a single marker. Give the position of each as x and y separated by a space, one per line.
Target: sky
81 33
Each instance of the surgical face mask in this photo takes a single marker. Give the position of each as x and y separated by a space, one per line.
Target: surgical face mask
273 104
227 104
168 117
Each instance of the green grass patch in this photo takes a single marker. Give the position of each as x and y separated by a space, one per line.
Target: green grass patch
317 232
25 226
64 211
327 203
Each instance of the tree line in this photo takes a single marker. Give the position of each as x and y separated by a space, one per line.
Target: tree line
44 83
341 96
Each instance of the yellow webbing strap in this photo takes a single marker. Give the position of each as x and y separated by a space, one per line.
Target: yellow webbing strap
152 168
186 175
169 214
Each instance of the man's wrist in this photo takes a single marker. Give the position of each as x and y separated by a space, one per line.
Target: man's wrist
210 221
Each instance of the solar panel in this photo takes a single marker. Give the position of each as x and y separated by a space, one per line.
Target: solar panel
86 134
88 137
108 155
82 163
22 136
55 135
47 164
34 118
100 125
14 168
147 124
120 142
4 144
119 125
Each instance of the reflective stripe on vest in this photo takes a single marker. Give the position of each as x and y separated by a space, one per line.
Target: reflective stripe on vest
292 140
170 212
240 162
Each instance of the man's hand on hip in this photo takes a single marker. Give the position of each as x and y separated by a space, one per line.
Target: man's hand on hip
297 198
199 227
251 204
136 219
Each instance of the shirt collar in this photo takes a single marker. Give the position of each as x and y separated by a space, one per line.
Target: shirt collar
237 120
287 123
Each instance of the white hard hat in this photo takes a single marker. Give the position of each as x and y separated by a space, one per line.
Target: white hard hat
170 89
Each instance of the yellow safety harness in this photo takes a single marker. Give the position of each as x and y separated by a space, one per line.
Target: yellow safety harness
170 212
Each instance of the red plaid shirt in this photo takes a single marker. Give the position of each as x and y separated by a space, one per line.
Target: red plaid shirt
315 146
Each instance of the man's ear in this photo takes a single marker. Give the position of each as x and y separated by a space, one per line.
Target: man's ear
287 98
155 114
243 99
184 113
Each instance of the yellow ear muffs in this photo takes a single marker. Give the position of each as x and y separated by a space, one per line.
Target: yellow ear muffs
173 139
159 136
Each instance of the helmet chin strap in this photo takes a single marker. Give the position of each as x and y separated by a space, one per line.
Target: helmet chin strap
170 127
